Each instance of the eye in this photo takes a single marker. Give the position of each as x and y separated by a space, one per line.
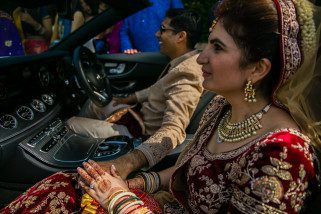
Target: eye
217 47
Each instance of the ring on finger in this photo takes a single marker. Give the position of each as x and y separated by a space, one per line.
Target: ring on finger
92 184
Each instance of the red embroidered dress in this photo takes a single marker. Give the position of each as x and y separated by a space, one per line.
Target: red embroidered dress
272 174
57 194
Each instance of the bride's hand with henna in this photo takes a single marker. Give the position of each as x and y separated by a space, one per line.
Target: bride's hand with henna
99 184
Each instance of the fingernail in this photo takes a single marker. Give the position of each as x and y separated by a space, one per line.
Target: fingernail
90 161
113 167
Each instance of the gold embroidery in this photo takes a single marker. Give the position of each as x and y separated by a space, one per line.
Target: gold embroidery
296 192
247 204
213 195
235 171
278 168
56 200
242 170
304 148
268 188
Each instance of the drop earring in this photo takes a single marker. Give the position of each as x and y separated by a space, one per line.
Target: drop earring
249 92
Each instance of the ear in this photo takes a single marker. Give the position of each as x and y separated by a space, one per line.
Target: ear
181 36
260 70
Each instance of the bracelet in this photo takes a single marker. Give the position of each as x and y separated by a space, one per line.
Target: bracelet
112 196
151 181
113 201
124 202
123 210
157 181
146 179
134 207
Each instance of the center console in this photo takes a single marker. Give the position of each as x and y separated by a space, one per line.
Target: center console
57 146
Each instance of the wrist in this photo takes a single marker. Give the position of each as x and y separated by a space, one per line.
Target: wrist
130 162
121 201
137 160
132 98
151 181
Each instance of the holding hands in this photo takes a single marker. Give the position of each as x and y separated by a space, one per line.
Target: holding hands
99 184
132 99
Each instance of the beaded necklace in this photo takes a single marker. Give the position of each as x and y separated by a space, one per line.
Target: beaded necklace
234 132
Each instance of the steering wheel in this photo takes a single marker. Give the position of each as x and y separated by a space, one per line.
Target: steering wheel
92 76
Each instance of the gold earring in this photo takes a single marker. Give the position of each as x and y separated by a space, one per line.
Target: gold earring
249 92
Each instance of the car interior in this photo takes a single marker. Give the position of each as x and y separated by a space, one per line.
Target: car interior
39 93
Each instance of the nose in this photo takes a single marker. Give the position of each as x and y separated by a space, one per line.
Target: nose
157 34
202 58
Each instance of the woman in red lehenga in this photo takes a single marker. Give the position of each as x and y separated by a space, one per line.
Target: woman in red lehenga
253 152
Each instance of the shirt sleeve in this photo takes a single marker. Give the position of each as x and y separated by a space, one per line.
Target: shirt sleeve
142 95
125 42
273 179
183 90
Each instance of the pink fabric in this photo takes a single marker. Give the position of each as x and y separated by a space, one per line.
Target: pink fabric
112 39
35 46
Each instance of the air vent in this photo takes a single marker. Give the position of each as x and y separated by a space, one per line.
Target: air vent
25 113
47 99
38 105
8 121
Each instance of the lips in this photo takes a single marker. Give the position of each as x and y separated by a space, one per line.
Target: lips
206 73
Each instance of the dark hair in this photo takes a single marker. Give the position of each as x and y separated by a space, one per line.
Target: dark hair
184 20
94 6
253 25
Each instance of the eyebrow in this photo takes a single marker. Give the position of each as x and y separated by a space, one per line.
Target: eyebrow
215 40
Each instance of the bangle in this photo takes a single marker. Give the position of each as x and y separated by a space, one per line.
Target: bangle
151 181
124 202
113 201
123 210
112 196
134 207
157 181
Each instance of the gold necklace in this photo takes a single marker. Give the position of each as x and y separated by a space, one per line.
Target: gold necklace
234 132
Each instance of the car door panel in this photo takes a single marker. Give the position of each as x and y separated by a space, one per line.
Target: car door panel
129 73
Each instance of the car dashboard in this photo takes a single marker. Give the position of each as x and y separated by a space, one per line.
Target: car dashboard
37 96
